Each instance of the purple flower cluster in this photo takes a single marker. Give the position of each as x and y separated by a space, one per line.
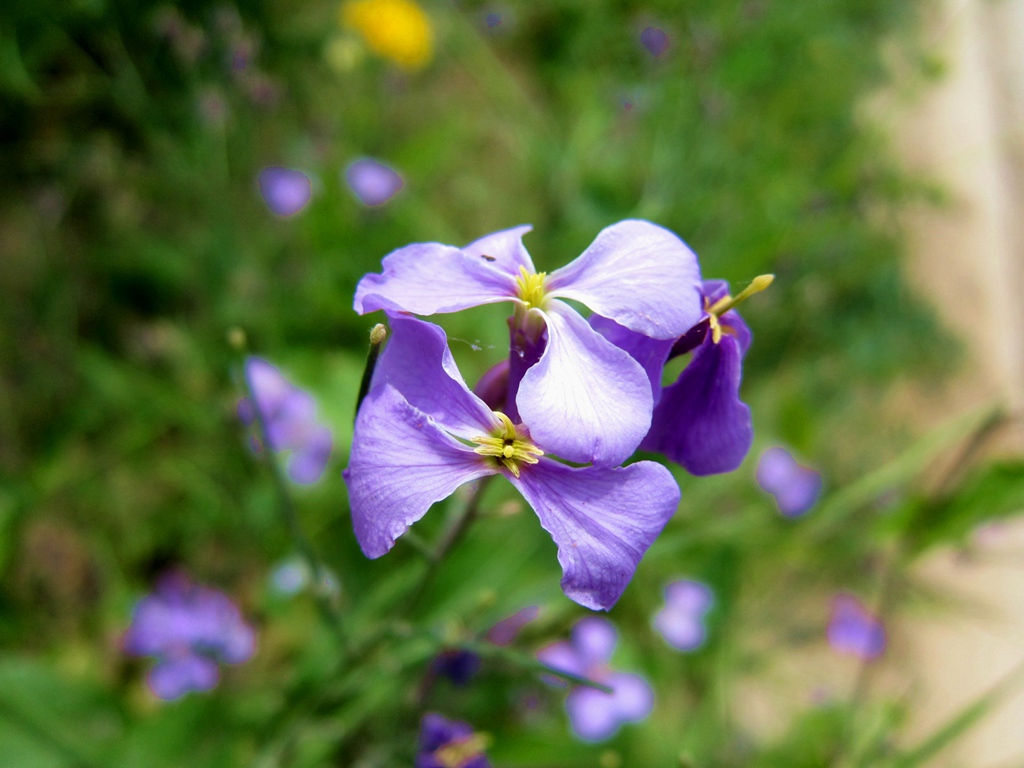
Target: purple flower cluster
582 390
593 714
288 418
188 628
854 630
796 488
681 621
448 743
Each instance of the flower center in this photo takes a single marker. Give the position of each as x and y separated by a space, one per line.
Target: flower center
507 447
458 753
727 302
530 288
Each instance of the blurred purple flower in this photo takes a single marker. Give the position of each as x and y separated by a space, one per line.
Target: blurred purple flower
655 40
189 629
289 417
595 715
414 445
290 577
492 20
448 743
681 621
460 665
796 488
372 182
284 190
853 629
505 631
584 398
457 664
699 421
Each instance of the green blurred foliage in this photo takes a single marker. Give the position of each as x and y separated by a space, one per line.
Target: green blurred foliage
134 240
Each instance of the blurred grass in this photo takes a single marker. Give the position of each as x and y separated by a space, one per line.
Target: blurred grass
134 240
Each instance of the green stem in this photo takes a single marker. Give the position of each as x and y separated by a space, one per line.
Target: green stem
527 662
378 334
448 540
294 526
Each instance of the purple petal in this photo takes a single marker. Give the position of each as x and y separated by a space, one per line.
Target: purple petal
270 388
309 460
633 696
650 353
700 422
401 463
638 274
602 520
372 182
796 488
492 387
427 278
655 40
504 249
681 621
689 596
682 631
238 643
586 400
853 629
594 639
173 678
505 631
564 657
284 190
593 715
418 363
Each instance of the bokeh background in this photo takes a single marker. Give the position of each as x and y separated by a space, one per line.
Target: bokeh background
865 152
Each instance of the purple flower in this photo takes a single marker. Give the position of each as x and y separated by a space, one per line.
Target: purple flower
655 40
372 182
699 421
460 665
854 630
289 417
796 488
584 398
457 664
448 743
595 715
421 433
681 621
188 628
492 20
284 190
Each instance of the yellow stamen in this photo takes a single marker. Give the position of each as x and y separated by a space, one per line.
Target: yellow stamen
530 287
507 447
458 753
727 302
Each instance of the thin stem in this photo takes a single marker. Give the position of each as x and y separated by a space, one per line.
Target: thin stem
378 334
448 540
529 663
294 526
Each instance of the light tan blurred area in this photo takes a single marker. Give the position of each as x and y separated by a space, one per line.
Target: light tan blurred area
967 134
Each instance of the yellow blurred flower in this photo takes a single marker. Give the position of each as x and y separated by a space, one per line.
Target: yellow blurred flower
396 29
